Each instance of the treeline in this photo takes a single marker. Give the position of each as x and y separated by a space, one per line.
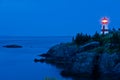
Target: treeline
112 38
115 40
81 38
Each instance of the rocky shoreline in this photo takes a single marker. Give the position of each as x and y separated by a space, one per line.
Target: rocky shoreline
82 60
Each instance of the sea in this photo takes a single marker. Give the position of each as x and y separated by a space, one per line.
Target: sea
18 63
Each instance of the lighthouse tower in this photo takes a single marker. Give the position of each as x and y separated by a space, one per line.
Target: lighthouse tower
104 28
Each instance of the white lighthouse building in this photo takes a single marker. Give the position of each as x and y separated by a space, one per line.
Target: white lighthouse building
104 28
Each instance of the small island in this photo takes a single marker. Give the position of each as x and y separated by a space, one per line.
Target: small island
94 56
12 46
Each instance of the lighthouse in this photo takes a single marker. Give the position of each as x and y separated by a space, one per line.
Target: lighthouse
104 28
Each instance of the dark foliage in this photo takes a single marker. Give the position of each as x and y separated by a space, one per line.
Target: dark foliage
98 37
115 40
108 42
81 39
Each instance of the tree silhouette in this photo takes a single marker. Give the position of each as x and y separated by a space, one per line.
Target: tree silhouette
81 39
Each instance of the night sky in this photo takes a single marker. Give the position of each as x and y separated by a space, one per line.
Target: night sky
56 17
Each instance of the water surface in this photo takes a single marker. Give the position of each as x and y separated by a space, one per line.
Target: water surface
18 63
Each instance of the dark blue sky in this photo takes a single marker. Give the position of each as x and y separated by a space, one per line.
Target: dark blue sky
56 17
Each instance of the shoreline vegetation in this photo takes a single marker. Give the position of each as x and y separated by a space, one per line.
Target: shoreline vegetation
96 56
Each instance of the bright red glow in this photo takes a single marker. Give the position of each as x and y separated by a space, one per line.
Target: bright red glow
104 20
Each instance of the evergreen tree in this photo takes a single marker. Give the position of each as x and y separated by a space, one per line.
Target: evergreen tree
81 39
96 37
115 39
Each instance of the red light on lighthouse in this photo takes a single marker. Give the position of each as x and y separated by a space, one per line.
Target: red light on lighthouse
104 21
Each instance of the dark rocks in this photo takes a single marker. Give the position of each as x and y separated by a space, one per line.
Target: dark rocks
62 50
12 46
116 69
66 73
39 60
108 62
78 60
45 55
89 46
83 63
83 76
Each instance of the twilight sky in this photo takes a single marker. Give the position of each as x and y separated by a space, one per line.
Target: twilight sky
56 17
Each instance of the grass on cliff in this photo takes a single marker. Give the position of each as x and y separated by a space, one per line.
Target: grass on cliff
108 43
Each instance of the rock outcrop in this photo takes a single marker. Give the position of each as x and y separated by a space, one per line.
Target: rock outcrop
83 63
109 63
79 60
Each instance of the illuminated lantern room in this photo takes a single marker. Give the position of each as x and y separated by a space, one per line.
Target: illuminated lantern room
104 21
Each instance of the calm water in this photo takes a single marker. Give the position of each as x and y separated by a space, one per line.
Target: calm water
18 64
